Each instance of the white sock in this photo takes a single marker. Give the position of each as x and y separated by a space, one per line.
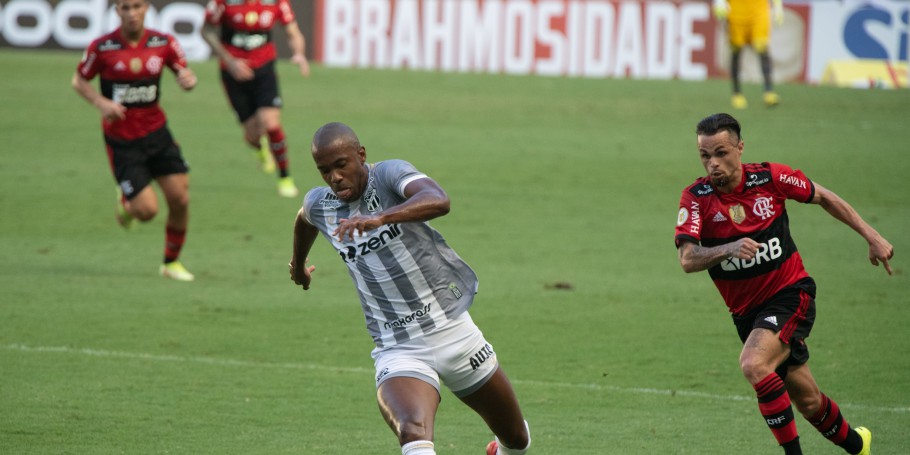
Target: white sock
503 450
418 448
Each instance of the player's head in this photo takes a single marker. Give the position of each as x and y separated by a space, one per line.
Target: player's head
720 147
132 16
341 160
715 123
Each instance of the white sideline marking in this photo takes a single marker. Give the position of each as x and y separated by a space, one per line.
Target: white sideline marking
313 366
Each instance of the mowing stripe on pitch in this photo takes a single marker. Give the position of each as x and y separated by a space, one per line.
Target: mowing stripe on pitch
313 366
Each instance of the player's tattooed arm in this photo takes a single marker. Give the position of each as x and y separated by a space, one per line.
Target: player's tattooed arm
696 258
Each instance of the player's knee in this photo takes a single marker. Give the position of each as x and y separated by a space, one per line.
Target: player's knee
517 438
179 202
753 369
761 47
412 430
144 213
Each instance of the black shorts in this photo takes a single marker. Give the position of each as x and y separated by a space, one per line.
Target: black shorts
248 96
136 162
790 313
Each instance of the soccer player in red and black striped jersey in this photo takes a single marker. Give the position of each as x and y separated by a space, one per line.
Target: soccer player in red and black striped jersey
130 61
734 224
240 33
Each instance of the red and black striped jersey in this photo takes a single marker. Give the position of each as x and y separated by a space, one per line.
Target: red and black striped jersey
131 75
755 209
246 27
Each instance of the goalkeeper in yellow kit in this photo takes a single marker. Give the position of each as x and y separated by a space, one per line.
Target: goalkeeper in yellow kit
749 23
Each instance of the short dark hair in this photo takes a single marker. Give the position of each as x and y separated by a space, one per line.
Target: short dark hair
716 123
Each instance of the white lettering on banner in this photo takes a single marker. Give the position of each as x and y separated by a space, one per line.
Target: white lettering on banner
374 22
689 41
662 33
479 37
518 41
19 35
439 33
590 38
406 35
56 22
552 65
339 33
629 42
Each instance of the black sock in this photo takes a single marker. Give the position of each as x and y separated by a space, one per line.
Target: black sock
765 59
792 447
734 71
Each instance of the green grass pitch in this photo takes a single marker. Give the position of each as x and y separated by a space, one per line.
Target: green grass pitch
551 180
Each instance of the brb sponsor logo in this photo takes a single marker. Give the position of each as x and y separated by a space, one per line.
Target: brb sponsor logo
352 252
125 94
73 24
767 252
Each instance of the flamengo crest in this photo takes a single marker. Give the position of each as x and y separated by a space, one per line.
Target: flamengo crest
763 207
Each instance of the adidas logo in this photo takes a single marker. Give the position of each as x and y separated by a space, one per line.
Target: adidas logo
119 66
719 217
772 319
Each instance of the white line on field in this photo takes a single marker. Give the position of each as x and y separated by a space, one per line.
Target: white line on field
313 366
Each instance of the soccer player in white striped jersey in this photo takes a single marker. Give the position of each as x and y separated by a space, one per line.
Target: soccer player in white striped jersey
414 291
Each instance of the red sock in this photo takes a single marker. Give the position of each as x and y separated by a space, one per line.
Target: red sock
279 149
774 404
832 425
173 243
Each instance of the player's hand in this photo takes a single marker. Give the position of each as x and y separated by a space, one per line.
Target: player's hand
302 276
721 9
301 61
880 250
744 248
358 224
111 111
240 70
778 13
186 78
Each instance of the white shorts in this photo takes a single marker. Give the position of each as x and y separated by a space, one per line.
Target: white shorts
457 353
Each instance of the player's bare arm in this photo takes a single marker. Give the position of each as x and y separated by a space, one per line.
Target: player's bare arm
297 45
186 78
110 110
425 200
304 236
696 258
238 67
880 250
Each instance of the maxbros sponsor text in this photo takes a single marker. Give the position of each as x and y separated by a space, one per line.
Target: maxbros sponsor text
73 24
401 322
590 38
